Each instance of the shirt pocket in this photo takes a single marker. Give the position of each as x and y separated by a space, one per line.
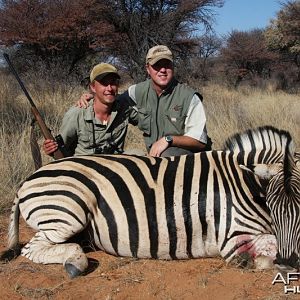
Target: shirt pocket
120 129
144 120
85 139
85 134
174 124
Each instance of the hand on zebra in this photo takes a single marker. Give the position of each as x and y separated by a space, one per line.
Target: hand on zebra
83 102
158 147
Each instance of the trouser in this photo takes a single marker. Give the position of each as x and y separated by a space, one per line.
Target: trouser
175 151
137 152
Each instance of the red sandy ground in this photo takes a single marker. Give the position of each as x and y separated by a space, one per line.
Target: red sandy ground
126 278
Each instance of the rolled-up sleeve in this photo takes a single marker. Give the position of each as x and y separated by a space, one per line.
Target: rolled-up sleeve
69 129
195 122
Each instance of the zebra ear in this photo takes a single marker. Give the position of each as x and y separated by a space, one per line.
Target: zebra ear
263 171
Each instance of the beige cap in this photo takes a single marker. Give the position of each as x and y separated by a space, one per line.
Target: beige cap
157 53
101 70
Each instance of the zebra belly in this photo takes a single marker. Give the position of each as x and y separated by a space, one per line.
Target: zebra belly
124 243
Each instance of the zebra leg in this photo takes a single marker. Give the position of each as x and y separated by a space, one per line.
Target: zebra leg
42 250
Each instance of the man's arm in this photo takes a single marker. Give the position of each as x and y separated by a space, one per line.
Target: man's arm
195 122
68 132
129 98
195 136
180 141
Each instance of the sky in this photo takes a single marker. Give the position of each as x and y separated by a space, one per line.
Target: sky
245 15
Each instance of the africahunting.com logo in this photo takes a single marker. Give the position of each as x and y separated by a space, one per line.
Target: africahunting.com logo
288 281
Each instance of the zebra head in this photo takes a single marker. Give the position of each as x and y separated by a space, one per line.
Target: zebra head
283 200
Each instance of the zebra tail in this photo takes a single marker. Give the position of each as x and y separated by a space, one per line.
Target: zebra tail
14 248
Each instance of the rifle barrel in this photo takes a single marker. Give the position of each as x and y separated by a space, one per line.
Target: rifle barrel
5 55
44 129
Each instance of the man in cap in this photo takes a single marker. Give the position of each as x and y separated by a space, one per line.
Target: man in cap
170 114
102 127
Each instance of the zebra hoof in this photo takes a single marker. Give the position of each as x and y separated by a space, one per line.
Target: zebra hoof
10 254
72 271
76 264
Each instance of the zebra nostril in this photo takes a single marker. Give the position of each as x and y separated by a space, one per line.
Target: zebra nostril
285 269
279 260
290 264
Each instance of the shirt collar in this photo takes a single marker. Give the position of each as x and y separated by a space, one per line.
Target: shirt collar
90 114
170 87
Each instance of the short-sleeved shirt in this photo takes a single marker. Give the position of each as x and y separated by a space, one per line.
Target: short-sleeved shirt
83 133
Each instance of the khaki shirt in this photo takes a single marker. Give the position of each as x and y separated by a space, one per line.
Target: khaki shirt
84 134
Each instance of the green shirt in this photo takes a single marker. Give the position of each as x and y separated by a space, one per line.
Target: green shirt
84 134
174 112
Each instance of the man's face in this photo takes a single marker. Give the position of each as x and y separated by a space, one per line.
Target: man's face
161 72
106 89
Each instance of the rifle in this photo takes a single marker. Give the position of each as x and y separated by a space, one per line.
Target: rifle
44 129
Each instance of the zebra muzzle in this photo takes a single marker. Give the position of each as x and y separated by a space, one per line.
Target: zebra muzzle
288 265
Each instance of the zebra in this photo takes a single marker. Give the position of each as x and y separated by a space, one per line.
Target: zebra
241 203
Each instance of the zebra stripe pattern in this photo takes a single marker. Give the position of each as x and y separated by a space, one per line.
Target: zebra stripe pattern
167 208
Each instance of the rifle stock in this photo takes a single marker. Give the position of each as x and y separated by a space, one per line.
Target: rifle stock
44 129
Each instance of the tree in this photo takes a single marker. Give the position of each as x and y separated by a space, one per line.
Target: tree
246 54
67 30
283 35
70 30
201 61
206 52
143 24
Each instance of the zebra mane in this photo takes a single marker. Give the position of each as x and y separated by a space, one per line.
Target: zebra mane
270 142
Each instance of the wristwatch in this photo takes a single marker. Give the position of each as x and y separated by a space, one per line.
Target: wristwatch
169 139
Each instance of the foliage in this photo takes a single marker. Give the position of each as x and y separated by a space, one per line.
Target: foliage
144 24
63 30
62 39
67 31
246 54
200 64
283 34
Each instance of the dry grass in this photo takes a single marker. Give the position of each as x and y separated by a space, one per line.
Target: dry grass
228 111
15 125
231 111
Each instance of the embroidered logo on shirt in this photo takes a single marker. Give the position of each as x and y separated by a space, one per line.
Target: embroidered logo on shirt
177 107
